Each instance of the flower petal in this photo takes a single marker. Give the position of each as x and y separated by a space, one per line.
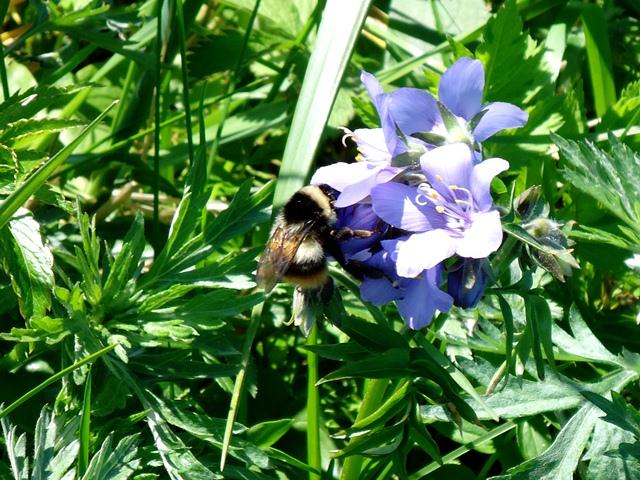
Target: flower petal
461 87
421 300
483 237
396 204
378 291
371 83
340 175
424 250
371 144
467 283
481 178
414 110
448 165
497 117
362 188
382 103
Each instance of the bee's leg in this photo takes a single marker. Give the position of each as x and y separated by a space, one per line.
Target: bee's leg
346 233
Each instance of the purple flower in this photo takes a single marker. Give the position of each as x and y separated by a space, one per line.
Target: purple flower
467 281
464 118
451 212
378 146
359 217
417 298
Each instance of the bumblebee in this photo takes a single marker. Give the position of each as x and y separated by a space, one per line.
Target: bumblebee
303 235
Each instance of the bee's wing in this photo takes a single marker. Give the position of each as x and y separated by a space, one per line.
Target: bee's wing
279 254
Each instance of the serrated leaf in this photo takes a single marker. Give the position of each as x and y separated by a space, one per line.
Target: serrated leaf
511 65
30 102
613 179
560 460
117 463
522 398
29 263
617 411
29 126
16 449
606 454
126 262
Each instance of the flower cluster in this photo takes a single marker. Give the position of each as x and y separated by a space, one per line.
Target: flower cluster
423 185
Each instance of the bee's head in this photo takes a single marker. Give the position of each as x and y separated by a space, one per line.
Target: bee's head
310 203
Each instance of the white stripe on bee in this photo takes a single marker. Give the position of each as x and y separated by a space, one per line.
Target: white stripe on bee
309 250
322 200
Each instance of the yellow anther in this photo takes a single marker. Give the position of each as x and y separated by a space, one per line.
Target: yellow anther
440 209
453 187
439 178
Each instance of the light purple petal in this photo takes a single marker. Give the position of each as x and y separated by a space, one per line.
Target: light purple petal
382 103
448 165
396 204
371 83
461 88
481 178
340 175
362 189
483 237
371 144
424 250
422 299
497 117
378 291
394 145
414 110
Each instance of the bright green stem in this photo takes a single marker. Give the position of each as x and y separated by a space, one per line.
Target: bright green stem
85 427
54 378
373 396
314 458
256 314
185 77
3 75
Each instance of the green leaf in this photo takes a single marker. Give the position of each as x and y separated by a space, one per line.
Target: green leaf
29 126
29 264
393 363
594 24
522 398
265 434
55 448
25 105
510 61
118 463
561 459
607 459
613 179
583 343
618 412
16 450
337 34
126 262
20 195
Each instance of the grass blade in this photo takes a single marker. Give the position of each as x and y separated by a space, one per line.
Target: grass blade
17 198
339 28
594 24
55 378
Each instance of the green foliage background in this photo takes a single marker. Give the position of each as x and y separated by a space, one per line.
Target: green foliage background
142 146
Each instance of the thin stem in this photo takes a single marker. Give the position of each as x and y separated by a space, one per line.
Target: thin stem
254 324
373 396
54 378
185 78
3 74
314 458
231 86
156 134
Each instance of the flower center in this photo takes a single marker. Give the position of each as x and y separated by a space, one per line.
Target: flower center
456 206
